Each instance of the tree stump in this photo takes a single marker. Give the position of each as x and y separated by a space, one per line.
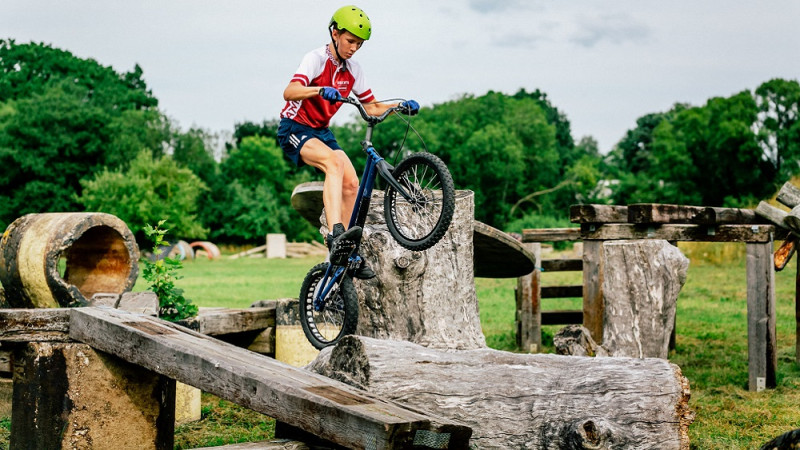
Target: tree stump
641 284
525 400
424 297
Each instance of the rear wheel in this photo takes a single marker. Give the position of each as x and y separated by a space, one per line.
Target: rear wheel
419 222
338 313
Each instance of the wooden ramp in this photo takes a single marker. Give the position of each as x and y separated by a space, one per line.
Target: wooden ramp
321 406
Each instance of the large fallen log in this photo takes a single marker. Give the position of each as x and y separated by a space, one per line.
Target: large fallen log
525 400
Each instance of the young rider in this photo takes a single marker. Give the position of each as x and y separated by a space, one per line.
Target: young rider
325 76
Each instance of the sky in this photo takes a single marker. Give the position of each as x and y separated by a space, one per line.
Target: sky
212 64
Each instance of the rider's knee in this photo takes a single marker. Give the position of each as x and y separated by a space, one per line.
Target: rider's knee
350 186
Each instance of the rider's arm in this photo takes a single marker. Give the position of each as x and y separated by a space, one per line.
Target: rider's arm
376 109
295 91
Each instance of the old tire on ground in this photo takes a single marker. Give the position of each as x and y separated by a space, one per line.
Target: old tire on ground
99 252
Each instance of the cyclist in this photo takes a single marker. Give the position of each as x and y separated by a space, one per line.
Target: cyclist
324 76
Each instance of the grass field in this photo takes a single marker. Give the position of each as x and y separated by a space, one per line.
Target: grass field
711 345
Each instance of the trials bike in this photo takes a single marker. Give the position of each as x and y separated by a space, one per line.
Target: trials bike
418 207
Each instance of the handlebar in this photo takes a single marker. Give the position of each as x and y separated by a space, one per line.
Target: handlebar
372 120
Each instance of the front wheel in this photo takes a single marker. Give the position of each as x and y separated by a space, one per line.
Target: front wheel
335 316
419 222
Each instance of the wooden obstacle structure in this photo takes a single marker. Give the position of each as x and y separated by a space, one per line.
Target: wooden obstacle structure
673 223
313 403
95 376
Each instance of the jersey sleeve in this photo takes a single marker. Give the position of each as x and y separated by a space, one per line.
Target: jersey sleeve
360 87
308 70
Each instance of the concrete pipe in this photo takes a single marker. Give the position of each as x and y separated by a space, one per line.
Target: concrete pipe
62 259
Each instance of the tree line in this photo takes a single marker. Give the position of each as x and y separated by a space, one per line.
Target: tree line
76 135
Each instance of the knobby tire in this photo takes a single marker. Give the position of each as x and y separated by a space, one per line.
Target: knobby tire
338 318
420 224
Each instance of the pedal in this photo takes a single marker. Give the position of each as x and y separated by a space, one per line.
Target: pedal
344 245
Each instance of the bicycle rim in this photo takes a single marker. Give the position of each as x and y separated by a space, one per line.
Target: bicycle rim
420 222
338 315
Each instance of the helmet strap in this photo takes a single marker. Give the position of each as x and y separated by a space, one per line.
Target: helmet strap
336 49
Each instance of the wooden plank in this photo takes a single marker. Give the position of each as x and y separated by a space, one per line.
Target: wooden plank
34 325
562 265
319 405
562 317
683 232
598 214
217 322
551 235
771 213
761 338
528 299
562 291
593 306
701 215
789 195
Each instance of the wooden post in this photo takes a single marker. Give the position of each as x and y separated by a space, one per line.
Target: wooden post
761 339
67 395
797 314
529 311
593 307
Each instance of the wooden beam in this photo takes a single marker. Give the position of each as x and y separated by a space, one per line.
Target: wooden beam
761 316
683 232
319 405
214 322
593 303
562 265
551 234
598 214
789 195
701 215
771 213
797 314
528 298
34 325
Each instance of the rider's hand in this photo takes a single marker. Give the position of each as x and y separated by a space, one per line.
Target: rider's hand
330 94
409 107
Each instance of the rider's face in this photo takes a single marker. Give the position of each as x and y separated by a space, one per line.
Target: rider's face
347 43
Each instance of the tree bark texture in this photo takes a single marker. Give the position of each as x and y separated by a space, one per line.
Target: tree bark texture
538 401
100 251
424 297
641 284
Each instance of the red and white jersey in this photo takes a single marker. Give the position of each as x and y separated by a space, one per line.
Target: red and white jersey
320 68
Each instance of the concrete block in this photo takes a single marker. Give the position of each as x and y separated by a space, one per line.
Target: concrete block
276 245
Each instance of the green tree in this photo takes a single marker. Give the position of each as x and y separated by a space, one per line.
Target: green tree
62 119
706 155
779 125
254 197
150 190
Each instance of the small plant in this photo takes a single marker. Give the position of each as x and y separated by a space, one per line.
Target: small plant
172 305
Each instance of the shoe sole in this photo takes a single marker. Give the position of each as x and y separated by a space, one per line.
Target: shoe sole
344 245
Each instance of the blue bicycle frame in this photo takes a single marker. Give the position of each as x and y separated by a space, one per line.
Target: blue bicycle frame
375 166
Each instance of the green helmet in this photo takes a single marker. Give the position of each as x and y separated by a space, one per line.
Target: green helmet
353 19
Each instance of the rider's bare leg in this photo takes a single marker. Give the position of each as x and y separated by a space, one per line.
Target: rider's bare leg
341 181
